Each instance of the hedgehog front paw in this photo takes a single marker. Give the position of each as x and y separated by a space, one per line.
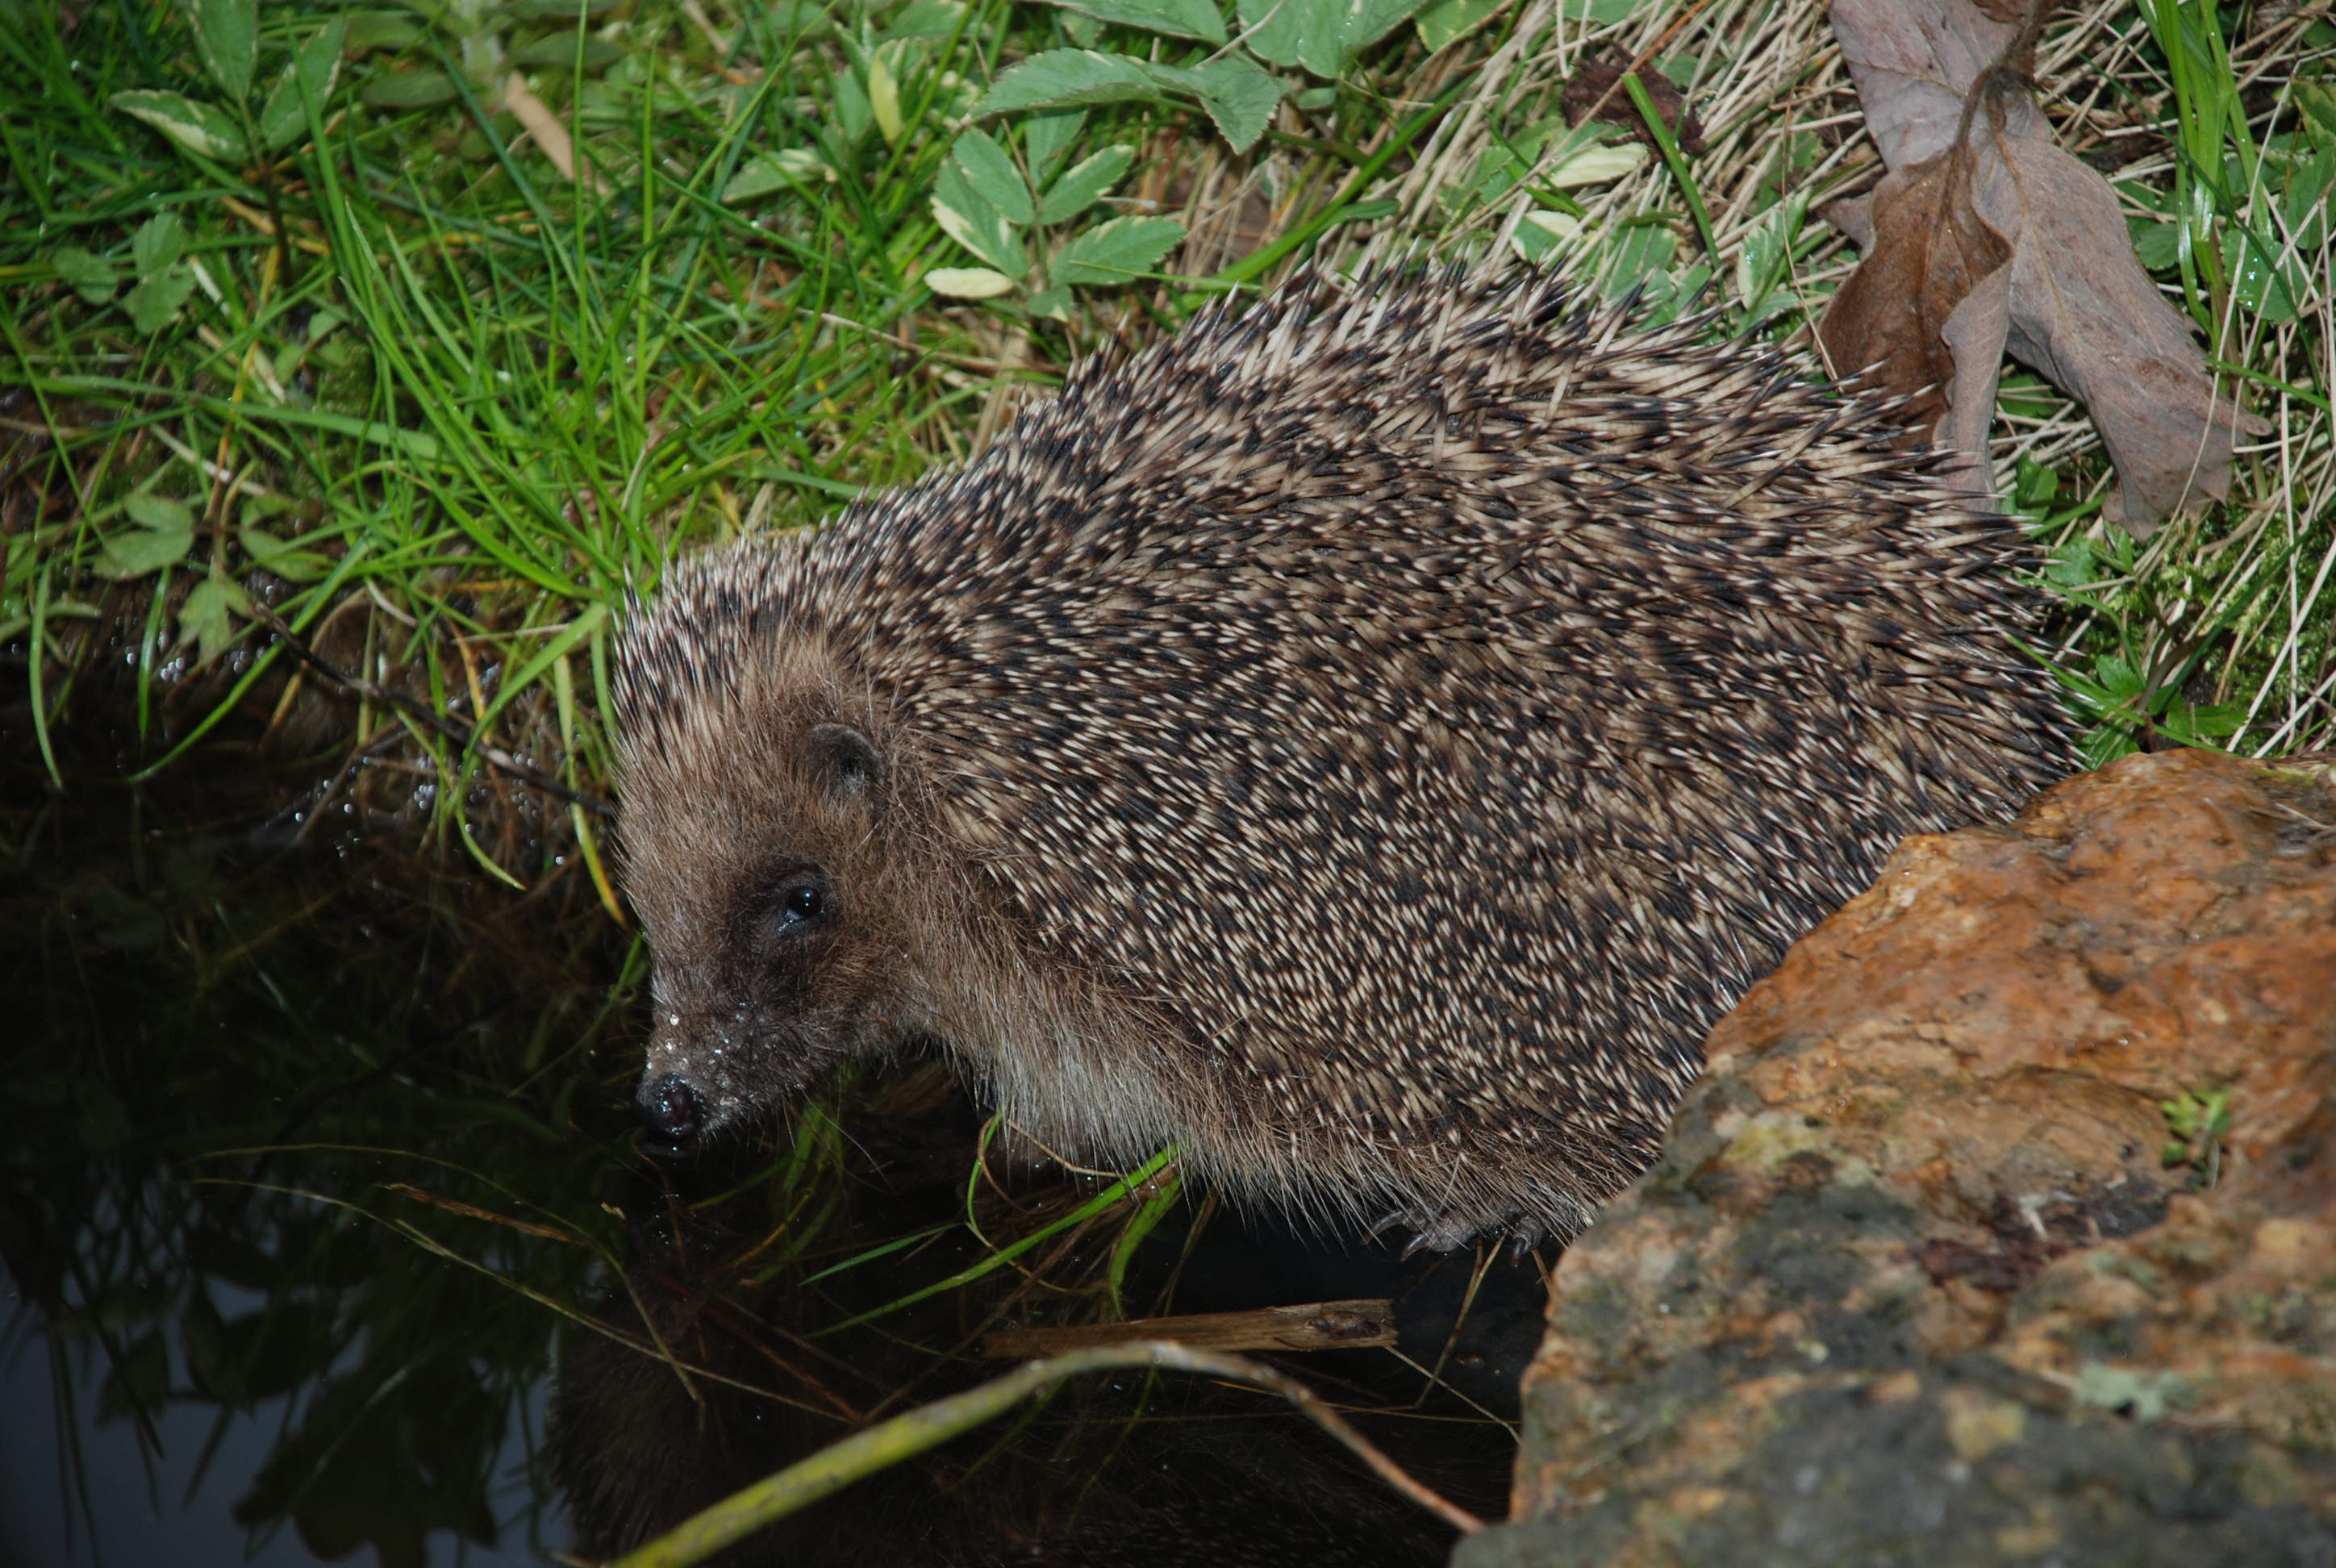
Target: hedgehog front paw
1448 1233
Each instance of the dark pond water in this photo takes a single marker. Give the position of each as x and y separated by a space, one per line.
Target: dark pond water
319 1152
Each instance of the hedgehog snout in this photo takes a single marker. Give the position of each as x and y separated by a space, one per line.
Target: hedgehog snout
672 1110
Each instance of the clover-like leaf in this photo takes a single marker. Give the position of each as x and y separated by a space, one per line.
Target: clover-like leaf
92 275
197 127
781 171
208 617
969 282
154 302
164 533
308 80
227 36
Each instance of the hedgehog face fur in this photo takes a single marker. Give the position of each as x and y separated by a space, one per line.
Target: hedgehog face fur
1367 739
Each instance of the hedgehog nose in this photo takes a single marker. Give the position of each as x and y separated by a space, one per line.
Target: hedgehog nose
671 1110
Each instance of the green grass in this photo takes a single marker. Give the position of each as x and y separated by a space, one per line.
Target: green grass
439 406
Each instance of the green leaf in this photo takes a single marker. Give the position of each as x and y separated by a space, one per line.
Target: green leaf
854 114
564 51
154 302
160 513
1085 184
989 170
1061 78
285 560
974 223
926 19
566 11
1177 18
969 282
308 80
92 275
1239 98
157 244
1046 140
782 171
197 127
1542 232
1447 22
227 36
1321 35
166 532
409 89
1052 303
1119 251
391 30
208 617
884 99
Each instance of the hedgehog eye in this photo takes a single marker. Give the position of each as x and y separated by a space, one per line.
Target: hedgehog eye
801 901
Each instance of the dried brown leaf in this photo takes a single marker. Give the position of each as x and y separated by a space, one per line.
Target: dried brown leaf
1930 249
2077 307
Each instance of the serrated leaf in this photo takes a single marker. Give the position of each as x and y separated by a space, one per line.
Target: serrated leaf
1062 78
1239 98
197 127
208 617
154 302
92 275
564 51
973 223
768 171
227 36
308 80
969 282
989 170
408 90
1085 184
1447 22
1047 139
1177 18
1119 251
1052 303
1321 35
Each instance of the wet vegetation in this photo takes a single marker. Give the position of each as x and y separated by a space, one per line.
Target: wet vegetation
355 364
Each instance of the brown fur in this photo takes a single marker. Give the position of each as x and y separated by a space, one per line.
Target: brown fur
1366 740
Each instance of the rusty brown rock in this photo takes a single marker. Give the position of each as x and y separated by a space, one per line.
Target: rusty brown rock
1914 1281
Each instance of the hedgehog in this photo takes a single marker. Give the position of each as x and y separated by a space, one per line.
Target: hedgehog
1364 740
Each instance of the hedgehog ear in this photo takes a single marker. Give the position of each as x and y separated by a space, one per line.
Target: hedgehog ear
844 763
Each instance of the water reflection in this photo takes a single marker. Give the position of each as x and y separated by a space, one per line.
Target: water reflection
250 1088
321 1147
